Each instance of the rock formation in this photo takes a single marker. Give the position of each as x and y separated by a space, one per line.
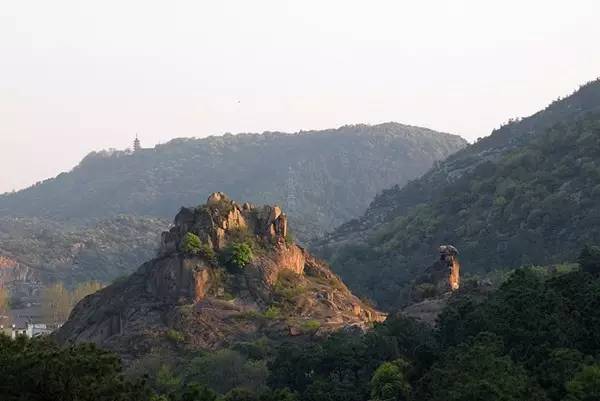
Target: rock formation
449 256
19 279
220 218
211 299
441 277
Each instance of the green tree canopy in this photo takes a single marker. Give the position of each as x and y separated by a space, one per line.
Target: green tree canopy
390 382
238 255
479 371
39 370
589 259
191 243
585 386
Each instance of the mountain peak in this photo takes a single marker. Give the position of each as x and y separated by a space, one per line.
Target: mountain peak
225 273
220 221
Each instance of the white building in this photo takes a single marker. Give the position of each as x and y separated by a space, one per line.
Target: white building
30 330
36 329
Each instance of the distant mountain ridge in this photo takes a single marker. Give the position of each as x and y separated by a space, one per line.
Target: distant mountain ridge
322 177
66 228
503 201
399 198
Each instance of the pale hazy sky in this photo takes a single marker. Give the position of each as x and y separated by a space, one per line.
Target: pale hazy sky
77 76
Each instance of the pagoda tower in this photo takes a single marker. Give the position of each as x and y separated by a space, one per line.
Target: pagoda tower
136 144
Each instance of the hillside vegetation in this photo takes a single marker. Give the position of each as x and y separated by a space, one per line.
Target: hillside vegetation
322 178
45 250
528 194
534 339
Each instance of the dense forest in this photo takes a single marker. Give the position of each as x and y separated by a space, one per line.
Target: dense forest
528 194
535 338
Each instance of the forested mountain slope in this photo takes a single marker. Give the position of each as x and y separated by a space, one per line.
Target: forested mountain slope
322 178
527 194
36 250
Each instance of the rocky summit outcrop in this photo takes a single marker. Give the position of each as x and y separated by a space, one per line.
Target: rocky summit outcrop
221 218
225 273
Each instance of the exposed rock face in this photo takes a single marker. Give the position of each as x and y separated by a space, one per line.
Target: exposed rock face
454 277
18 278
439 278
220 219
282 291
427 310
449 255
7 263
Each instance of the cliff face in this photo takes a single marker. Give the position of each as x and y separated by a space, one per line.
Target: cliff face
221 219
199 292
19 279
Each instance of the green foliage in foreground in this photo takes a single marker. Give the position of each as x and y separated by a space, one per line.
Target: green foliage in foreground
390 381
535 338
589 259
478 371
585 385
38 369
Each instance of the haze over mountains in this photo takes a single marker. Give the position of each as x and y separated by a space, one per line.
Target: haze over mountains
294 261
322 178
230 302
527 194
497 200
39 250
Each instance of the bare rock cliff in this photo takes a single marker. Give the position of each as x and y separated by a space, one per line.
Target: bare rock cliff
225 273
